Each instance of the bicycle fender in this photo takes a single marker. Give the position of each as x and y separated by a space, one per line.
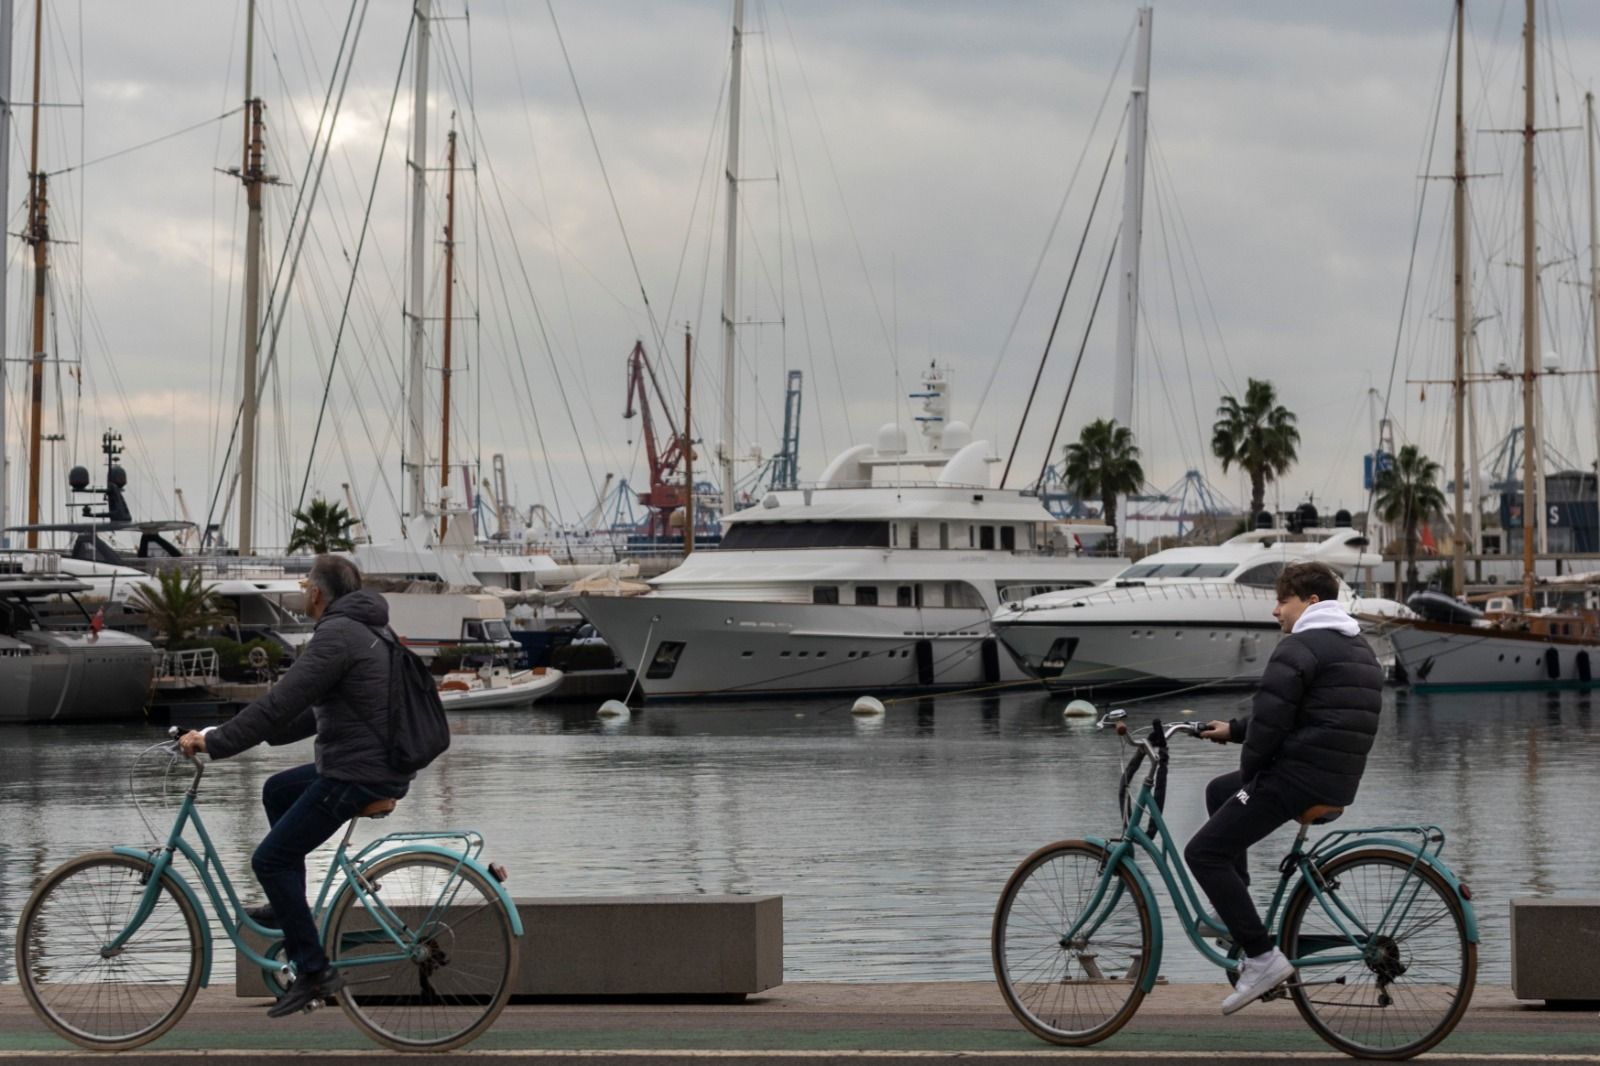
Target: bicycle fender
471 863
1148 981
1407 848
183 886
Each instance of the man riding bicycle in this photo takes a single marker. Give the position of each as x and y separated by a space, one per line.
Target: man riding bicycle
338 691
1305 741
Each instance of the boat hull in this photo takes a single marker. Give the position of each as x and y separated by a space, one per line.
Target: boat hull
731 648
1441 657
72 678
1146 656
519 694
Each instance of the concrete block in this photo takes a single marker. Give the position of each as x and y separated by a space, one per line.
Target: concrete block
1554 942
620 946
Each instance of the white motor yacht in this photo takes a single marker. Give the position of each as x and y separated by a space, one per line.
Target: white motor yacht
1184 617
880 577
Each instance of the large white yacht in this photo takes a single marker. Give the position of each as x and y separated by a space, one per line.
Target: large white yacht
1199 616
881 576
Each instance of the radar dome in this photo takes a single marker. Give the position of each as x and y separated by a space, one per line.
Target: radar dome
891 439
117 477
957 435
78 478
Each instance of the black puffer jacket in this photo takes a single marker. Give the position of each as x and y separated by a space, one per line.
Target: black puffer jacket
1314 719
337 689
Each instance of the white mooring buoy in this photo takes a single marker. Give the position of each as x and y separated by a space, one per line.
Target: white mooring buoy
614 709
867 706
1079 709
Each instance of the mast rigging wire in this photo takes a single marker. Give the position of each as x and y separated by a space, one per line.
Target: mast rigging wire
1088 327
146 144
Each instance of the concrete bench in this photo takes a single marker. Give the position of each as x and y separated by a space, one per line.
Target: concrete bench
1554 942
628 946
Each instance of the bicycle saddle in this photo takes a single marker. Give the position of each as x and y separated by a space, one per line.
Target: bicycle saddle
1321 814
377 809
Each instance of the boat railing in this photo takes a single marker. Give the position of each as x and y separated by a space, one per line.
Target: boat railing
192 666
1161 590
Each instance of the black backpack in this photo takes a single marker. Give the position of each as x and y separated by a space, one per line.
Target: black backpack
418 730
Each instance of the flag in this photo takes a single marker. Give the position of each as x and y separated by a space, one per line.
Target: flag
1428 544
97 623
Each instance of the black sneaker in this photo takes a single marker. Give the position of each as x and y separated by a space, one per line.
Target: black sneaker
305 990
263 915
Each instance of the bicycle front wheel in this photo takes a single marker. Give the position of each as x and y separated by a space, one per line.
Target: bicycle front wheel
428 960
1070 966
96 996
1417 968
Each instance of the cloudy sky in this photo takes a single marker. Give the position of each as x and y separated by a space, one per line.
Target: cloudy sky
921 153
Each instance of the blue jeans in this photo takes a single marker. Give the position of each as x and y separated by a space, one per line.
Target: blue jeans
304 809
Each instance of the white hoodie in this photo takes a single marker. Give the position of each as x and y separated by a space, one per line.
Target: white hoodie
1327 614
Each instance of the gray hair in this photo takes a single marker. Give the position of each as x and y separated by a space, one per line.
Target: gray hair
335 575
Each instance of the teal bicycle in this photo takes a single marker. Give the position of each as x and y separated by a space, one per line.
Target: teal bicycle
1381 932
113 946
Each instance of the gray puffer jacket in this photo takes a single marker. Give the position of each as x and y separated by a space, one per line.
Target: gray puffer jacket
337 690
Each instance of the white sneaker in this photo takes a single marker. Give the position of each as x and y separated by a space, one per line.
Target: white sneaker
1258 976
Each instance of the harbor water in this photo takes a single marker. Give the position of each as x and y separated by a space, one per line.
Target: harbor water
889 838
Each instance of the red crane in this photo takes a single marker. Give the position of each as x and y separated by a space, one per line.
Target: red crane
666 492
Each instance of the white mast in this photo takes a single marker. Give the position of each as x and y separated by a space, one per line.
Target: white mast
5 198
1594 278
730 264
416 459
1132 225
251 175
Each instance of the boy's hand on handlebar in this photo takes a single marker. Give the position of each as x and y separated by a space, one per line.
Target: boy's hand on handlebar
192 742
1216 732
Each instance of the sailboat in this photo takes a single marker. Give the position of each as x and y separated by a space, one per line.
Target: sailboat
1508 643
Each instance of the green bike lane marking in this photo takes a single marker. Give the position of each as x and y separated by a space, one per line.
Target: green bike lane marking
1495 1045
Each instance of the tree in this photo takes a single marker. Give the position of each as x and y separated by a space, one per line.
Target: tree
321 528
178 604
1258 436
1103 462
1407 492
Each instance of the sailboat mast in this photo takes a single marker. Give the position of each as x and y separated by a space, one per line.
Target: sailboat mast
5 197
417 448
1530 317
1594 276
688 440
730 265
1132 225
252 174
1458 581
39 237
449 306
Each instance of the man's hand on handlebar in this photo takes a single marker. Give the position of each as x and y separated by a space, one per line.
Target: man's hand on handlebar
1216 732
192 742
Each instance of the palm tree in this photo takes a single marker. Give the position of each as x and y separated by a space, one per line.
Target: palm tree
321 528
178 604
1103 462
1407 491
1259 436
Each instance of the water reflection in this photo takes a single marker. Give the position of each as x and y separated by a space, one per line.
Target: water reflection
888 836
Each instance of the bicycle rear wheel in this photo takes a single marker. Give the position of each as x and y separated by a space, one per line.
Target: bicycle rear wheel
1076 991
117 1000
1417 976
450 975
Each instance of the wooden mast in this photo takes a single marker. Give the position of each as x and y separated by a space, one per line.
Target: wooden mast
252 175
38 235
1530 317
449 304
1458 581
688 440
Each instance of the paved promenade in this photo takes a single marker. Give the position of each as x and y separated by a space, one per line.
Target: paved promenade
814 1023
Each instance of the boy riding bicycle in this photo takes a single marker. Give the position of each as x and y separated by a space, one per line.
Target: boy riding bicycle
1305 740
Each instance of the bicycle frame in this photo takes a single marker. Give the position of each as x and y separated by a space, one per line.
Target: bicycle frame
235 922
1306 861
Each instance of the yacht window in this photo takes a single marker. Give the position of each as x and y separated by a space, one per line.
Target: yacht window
944 534
1139 570
472 630
1008 538
986 538
497 630
971 538
1264 576
758 536
866 595
894 535
665 660
915 527
825 594
961 594
902 596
